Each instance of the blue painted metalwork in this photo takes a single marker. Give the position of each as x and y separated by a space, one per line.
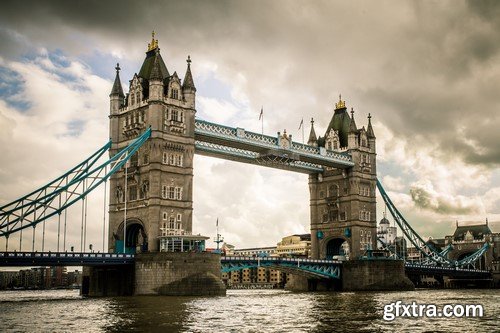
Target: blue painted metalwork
443 253
425 248
448 271
64 259
65 190
236 143
311 267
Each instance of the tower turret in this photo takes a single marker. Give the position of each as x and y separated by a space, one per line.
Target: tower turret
188 88
313 140
156 79
352 136
116 97
371 134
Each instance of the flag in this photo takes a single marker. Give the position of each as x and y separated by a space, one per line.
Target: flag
261 112
301 123
217 223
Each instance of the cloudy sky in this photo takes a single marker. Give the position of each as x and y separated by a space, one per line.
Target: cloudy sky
428 72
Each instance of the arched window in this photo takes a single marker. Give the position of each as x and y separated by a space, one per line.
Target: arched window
138 97
132 99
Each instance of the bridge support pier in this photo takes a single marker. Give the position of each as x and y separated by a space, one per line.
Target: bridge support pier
113 280
178 273
368 275
302 283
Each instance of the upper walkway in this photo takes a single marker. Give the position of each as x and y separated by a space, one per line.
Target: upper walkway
240 145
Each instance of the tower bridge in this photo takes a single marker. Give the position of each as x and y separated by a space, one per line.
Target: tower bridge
154 135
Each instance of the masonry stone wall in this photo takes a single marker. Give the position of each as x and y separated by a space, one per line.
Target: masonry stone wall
178 273
368 275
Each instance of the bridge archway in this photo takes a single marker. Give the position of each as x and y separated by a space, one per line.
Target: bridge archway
136 239
336 247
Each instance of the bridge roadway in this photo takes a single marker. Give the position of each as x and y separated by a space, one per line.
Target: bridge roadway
64 259
308 267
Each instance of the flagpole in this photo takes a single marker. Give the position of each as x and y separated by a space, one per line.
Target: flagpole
262 112
302 130
302 125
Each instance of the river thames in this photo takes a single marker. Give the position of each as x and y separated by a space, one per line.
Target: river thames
240 311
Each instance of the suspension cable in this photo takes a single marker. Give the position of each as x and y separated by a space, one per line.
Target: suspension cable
83 212
59 224
85 223
104 213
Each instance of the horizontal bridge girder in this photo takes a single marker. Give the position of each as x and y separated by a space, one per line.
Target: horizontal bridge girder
308 267
232 143
249 157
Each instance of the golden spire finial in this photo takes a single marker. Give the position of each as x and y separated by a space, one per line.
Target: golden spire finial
154 42
340 104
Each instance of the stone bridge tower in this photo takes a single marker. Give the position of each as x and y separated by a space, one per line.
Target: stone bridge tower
343 203
156 195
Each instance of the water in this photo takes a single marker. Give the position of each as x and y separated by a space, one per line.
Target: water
239 311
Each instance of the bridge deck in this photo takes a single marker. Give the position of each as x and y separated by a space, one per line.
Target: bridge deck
64 259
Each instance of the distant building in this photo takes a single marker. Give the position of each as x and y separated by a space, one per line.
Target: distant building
256 252
385 232
467 239
295 246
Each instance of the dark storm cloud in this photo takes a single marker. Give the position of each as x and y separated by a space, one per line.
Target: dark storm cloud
428 70
443 205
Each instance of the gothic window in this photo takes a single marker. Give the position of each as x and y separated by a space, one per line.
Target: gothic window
333 215
363 143
134 160
125 122
178 193
165 158
174 115
164 192
165 216
335 145
329 146
342 216
138 97
132 192
171 222
171 192
174 94
171 159
333 190
132 99
179 160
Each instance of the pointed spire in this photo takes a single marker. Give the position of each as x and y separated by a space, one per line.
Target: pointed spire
117 85
156 70
188 78
352 126
313 140
370 133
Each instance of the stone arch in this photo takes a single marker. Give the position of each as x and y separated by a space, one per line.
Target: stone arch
136 239
336 246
